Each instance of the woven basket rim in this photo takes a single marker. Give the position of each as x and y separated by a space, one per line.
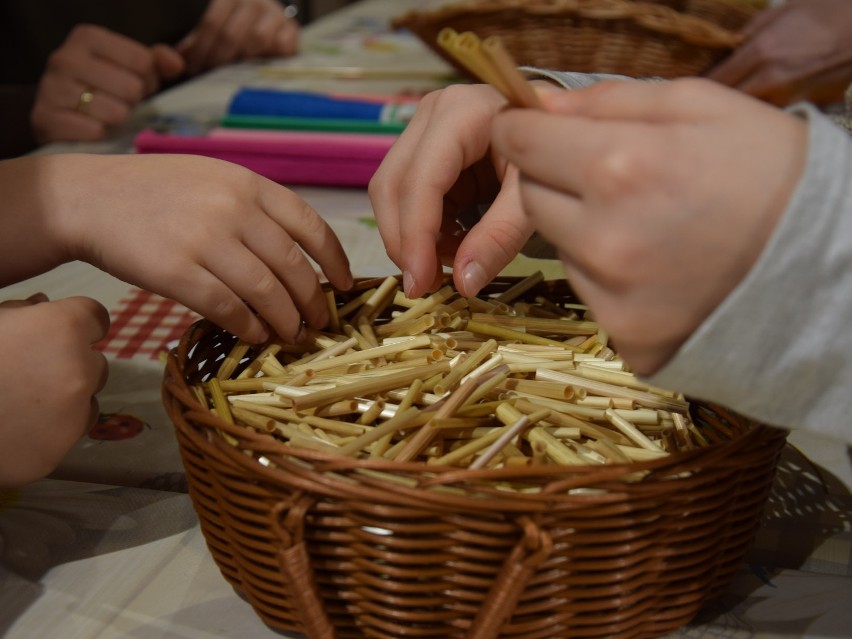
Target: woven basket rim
654 17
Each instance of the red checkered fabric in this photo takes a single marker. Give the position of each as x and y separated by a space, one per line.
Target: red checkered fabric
145 325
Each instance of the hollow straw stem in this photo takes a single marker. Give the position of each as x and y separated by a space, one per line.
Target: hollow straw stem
447 408
418 341
369 386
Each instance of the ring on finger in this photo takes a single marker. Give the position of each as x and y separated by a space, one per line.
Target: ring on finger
84 102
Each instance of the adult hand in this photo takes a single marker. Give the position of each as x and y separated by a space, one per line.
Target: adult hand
94 81
436 177
232 30
658 197
218 238
50 382
798 50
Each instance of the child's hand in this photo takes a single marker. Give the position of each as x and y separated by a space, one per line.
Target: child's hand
220 239
436 175
48 379
658 197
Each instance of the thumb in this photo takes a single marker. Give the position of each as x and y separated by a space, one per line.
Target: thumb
36 298
167 61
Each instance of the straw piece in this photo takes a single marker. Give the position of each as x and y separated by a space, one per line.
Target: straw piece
487 383
220 402
468 449
368 386
338 348
232 360
553 448
374 304
366 329
609 450
425 305
361 342
539 325
372 413
284 414
337 409
516 290
465 366
631 431
251 384
355 303
466 49
591 431
270 350
419 341
447 408
399 421
413 327
521 92
554 390
333 316
602 388
500 332
271 367
505 437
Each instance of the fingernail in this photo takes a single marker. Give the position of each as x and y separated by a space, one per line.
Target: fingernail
407 283
473 278
37 297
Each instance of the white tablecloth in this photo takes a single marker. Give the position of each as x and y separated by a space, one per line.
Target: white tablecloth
110 546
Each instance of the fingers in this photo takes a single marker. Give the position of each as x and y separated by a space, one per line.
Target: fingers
735 69
114 63
291 291
167 61
443 149
573 154
229 37
49 394
683 100
309 230
231 30
493 242
268 273
91 82
87 317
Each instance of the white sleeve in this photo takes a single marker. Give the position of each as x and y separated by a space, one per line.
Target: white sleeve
779 347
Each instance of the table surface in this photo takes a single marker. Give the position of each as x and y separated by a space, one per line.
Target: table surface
109 546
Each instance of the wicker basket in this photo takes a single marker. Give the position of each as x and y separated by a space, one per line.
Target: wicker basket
729 14
636 39
329 547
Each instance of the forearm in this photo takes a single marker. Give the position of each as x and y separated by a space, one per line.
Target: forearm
779 348
31 239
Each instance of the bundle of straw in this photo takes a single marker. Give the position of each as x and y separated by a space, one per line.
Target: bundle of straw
447 380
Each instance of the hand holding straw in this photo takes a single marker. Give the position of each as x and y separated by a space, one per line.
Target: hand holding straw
489 61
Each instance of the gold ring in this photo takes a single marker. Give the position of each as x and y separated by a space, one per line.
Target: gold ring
85 100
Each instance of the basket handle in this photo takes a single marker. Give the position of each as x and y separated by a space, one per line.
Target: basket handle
288 522
499 605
